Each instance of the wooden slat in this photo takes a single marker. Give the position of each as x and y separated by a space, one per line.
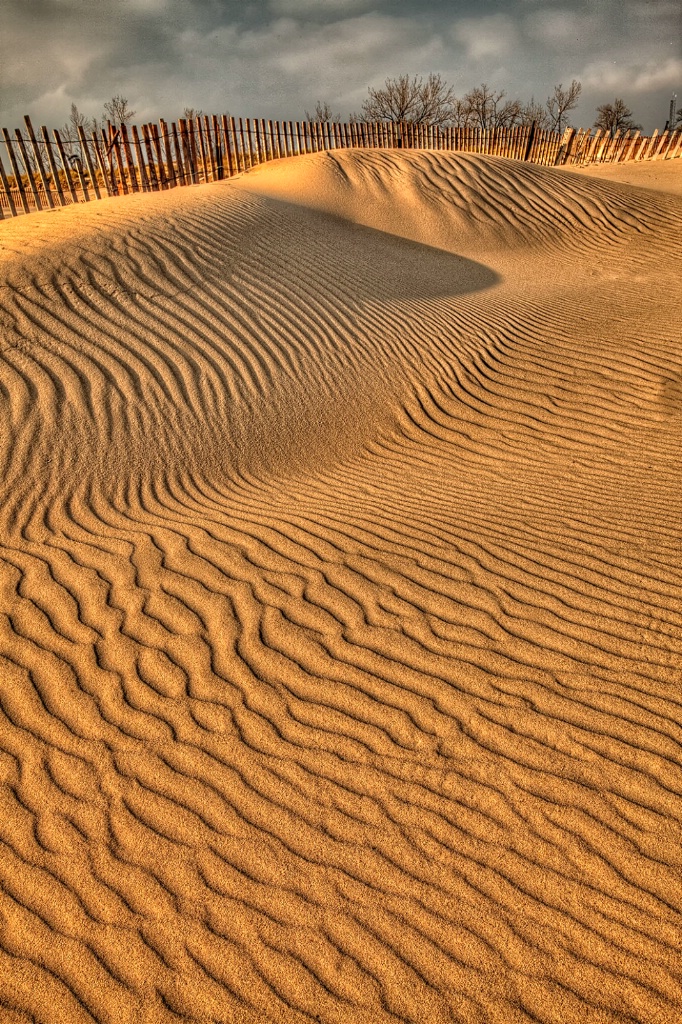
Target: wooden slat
7 190
29 172
218 148
258 154
85 193
250 143
662 142
255 135
130 163
208 148
189 176
242 138
230 145
232 148
92 174
115 144
251 162
529 141
235 142
53 165
156 142
265 140
65 165
152 168
630 146
39 161
671 138
141 166
114 157
648 146
181 172
101 163
673 155
170 165
194 150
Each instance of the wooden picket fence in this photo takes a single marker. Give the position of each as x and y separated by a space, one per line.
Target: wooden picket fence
45 173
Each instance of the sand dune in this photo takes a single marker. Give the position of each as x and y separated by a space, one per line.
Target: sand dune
341 601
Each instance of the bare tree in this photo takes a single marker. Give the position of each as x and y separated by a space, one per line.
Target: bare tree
322 113
534 112
560 102
460 114
410 99
615 117
69 131
118 112
189 113
484 108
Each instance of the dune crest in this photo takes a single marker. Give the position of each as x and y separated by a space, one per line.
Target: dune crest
341 583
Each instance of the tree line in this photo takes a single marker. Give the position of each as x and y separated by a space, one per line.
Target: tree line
433 102
416 100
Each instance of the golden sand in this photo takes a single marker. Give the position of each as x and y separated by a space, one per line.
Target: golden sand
341 598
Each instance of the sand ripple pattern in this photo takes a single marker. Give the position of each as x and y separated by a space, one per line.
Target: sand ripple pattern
341 601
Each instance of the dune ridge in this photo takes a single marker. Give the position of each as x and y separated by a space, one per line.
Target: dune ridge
341 599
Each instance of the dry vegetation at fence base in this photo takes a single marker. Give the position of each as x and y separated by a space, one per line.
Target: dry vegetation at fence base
340 592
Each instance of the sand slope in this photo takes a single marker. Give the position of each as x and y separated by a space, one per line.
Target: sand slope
341 600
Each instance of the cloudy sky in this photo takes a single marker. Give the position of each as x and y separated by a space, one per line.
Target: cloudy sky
275 58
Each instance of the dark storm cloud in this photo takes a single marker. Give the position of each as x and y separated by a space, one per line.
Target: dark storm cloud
275 58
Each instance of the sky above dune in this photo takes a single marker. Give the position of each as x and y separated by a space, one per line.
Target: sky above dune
275 58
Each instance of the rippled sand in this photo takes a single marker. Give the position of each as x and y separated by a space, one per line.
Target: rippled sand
341 599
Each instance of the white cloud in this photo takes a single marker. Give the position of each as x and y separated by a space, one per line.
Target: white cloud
298 8
627 77
492 36
274 58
